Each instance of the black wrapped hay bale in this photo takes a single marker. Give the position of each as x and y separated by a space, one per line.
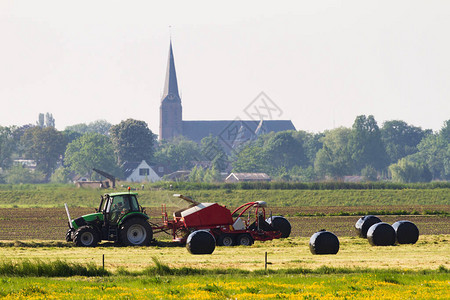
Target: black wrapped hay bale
280 224
406 231
324 242
364 223
201 242
381 234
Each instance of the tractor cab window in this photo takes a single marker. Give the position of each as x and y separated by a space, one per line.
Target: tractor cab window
133 203
118 206
104 204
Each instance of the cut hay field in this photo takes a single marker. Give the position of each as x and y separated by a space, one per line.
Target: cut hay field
419 271
430 252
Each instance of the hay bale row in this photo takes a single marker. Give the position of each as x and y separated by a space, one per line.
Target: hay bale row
379 233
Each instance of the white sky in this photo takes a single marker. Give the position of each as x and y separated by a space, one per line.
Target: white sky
322 62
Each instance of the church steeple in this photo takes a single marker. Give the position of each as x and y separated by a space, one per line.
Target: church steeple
171 122
171 84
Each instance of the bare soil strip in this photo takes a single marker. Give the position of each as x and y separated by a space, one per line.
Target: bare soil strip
51 223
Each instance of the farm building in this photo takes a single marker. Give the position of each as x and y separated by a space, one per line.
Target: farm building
139 172
239 177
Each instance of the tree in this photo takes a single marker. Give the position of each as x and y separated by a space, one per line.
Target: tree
80 128
71 136
283 151
178 154
133 141
212 151
273 153
49 120
17 133
99 126
369 173
212 175
335 157
7 145
251 159
434 151
45 146
46 120
445 131
366 146
302 174
401 139
406 171
92 150
311 144
197 174
61 175
41 121
20 174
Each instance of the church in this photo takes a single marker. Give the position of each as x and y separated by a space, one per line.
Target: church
231 133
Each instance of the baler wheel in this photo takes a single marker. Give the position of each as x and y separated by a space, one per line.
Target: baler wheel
225 240
244 239
86 236
136 232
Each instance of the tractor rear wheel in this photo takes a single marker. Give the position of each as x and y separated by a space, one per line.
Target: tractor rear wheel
225 240
136 232
86 236
244 239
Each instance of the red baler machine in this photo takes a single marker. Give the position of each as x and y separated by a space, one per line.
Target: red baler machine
250 223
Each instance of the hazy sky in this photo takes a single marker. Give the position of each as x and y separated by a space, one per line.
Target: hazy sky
322 62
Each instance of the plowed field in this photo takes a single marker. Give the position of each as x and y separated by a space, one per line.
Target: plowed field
51 223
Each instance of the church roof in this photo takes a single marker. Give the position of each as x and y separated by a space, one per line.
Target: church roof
230 130
171 84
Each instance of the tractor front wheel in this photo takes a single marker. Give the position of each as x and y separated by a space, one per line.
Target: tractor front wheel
69 235
136 232
86 236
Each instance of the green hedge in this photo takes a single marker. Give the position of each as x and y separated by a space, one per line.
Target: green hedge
332 185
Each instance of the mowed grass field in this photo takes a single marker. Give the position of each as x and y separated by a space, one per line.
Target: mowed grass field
33 224
420 271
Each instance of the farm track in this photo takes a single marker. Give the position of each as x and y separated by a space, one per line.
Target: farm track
51 223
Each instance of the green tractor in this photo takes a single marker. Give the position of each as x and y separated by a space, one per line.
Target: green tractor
119 218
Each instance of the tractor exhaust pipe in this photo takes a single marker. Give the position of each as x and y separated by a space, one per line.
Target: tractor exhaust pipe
68 215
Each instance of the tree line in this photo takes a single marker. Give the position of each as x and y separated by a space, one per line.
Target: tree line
396 151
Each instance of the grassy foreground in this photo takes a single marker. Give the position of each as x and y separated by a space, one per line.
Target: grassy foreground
377 285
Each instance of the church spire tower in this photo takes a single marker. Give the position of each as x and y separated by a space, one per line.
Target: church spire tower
170 118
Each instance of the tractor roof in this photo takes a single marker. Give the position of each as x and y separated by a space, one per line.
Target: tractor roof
122 193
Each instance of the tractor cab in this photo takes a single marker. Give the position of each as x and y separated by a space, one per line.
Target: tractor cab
115 206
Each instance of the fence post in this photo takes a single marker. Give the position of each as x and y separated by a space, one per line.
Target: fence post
103 261
265 262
